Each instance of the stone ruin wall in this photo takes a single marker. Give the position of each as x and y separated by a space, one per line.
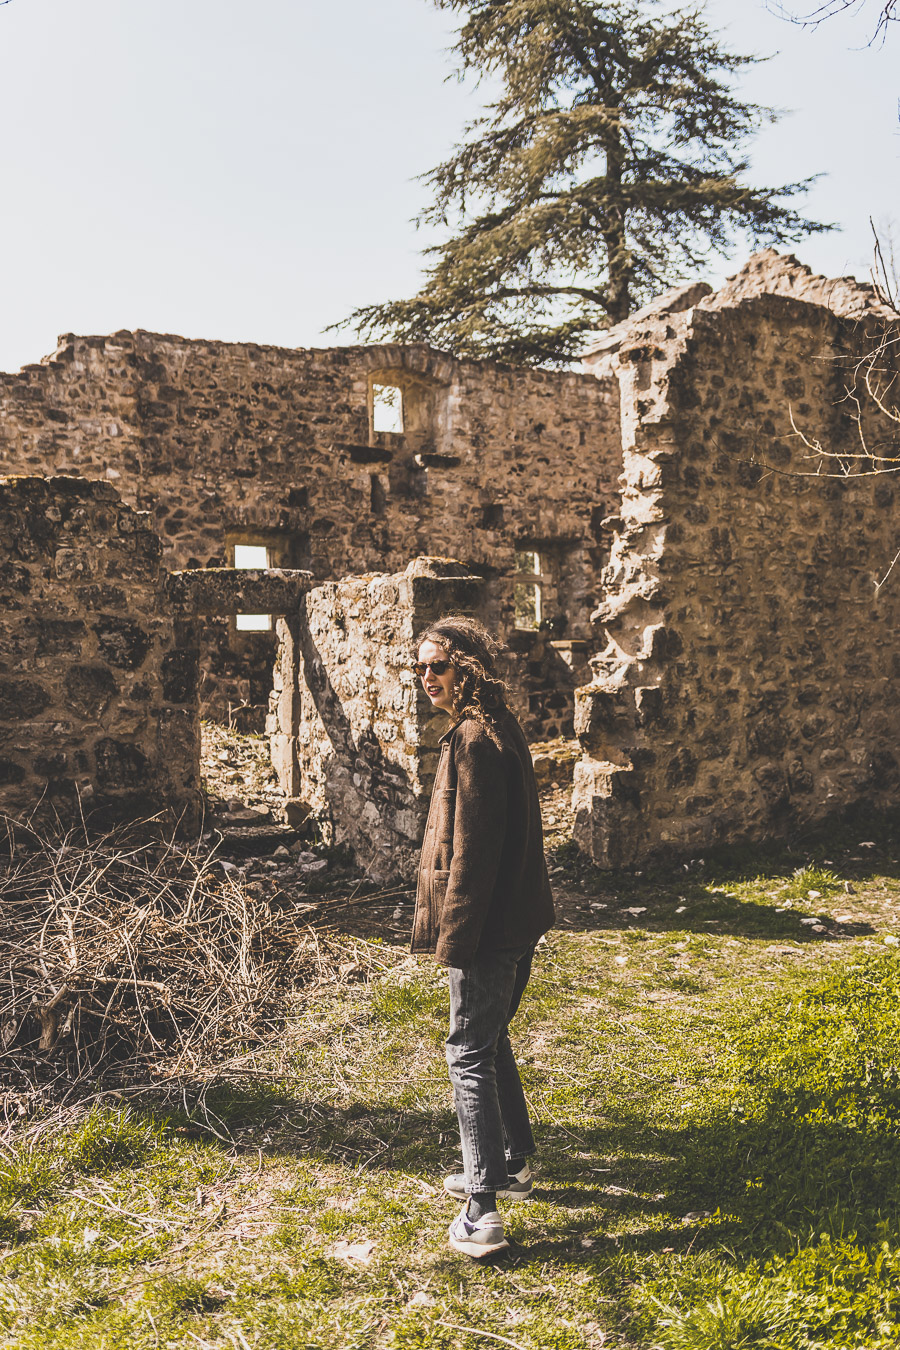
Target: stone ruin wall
744 660
748 681
98 675
353 734
230 443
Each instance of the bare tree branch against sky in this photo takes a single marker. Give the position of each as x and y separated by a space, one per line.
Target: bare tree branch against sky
885 10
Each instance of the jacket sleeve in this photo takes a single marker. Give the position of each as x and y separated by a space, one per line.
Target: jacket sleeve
479 827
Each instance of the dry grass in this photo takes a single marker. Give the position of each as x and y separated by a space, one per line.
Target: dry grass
131 959
287 1193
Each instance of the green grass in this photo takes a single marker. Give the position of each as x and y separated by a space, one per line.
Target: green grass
794 1149
716 1094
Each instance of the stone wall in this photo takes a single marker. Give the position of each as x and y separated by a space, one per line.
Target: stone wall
98 675
238 443
353 735
742 666
748 677
542 674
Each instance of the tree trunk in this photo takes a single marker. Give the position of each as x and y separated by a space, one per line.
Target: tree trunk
618 302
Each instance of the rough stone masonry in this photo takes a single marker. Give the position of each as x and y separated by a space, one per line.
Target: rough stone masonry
98 674
231 445
353 734
747 676
651 514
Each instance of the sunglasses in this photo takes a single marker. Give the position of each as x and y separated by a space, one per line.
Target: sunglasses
436 667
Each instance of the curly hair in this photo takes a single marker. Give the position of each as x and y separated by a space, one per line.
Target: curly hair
479 692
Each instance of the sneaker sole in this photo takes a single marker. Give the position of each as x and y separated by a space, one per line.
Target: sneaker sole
501 1195
478 1250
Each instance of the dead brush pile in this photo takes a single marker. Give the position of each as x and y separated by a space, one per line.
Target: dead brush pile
127 959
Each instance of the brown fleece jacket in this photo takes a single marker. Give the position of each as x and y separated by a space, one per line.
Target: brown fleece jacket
483 880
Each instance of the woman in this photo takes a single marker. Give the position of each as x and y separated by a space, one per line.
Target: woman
482 902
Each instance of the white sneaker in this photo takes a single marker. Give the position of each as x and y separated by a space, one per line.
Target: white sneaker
478 1237
518 1188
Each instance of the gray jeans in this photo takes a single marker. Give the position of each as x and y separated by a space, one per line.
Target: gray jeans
487 1093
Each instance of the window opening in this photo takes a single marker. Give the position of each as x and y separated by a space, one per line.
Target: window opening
254 556
387 409
527 589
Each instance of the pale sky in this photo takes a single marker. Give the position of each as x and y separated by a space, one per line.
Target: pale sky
246 171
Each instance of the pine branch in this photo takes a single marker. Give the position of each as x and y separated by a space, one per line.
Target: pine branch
609 166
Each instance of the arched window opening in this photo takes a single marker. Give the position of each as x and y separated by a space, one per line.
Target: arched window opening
387 409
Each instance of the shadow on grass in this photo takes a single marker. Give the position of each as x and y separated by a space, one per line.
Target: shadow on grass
753 1186
693 910
686 906
697 894
680 895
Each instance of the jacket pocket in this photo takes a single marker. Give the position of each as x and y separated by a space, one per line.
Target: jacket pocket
445 811
439 882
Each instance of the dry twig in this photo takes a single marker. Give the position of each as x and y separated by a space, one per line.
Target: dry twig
123 959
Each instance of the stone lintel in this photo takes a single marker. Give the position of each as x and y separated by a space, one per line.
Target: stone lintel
364 454
432 460
434 585
237 590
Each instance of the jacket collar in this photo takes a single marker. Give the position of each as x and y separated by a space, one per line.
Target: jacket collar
447 734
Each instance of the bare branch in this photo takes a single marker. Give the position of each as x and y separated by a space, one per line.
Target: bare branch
894 560
828 9
885 271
